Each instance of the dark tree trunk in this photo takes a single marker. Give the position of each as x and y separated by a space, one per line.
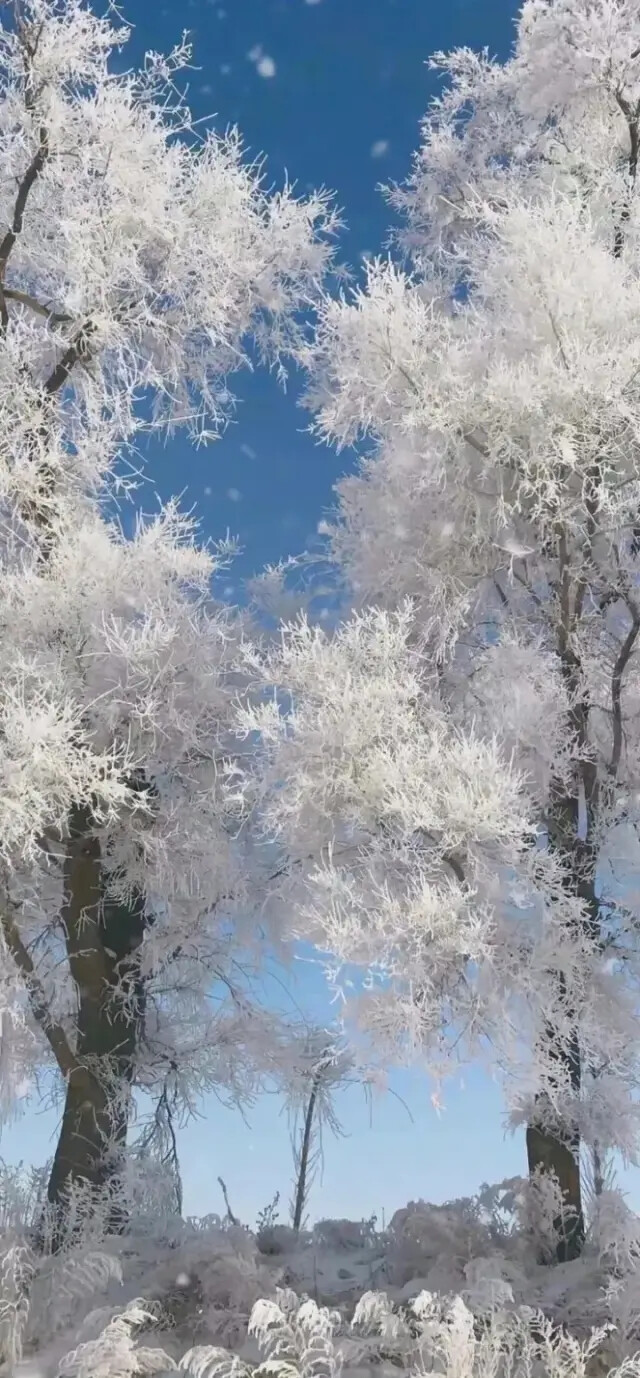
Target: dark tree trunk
551 1153
102 939
303 1167
553 1145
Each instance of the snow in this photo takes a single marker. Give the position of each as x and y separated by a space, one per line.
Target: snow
266 66
209 1285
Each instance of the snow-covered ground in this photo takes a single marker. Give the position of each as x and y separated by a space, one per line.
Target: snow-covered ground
217 1299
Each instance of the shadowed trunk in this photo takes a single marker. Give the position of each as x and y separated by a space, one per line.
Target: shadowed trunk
553 1154
102 939
553 1145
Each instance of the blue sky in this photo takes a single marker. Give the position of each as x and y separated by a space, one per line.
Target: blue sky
333 94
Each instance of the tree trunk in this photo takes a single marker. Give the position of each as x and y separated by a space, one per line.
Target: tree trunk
303 1166
102 938
553 1146
551 1154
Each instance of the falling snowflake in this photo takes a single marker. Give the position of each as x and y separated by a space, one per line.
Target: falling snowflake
248 451
266 67
234 494
379 148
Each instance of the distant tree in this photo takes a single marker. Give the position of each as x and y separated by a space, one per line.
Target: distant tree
140 259
318 1070
462 758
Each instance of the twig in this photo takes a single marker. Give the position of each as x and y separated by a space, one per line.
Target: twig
233 1219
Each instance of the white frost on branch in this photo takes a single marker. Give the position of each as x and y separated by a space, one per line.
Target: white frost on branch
494 374
142 261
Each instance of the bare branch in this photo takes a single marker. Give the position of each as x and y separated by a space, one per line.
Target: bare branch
24 299
29 179
233 1219
54 1033
622 660
77 351
476 444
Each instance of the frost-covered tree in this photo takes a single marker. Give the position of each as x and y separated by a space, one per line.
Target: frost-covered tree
140 260
463 757
320 1067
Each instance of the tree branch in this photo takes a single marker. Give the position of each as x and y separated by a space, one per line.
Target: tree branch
29 179
24 299
631 116
472 440
233 1219
76 351
54 1033
621 662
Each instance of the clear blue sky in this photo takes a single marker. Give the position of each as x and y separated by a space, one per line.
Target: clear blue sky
341 109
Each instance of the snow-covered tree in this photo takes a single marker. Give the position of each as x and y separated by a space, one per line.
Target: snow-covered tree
463 757
140 260
321 1067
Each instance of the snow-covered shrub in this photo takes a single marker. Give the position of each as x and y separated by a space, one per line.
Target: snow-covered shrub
344 1234
296 1338
452 1289
299 1339
119 1350
421 1235
199 1278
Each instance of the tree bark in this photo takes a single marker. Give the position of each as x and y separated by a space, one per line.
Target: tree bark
553 1145
554 1149
102 938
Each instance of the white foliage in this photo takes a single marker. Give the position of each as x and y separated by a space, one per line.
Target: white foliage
139 266
16 1268
205 1361
461 758
115 1353
401 824
296 1339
